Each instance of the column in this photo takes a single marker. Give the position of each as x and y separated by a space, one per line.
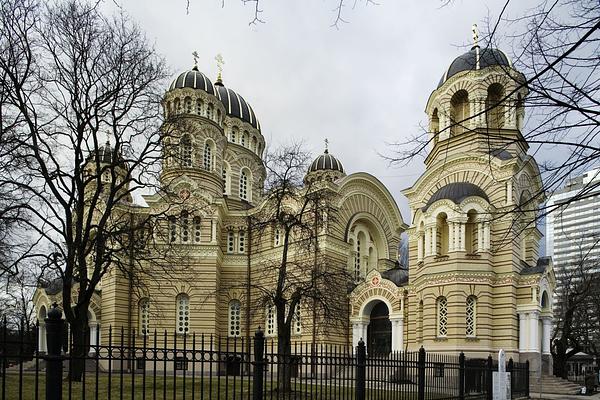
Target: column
534 338
397 333
213 233
479 237
359 331
523 345
420 246
451 236
444 125
461 236
486 236
93 338
434 241
42 337
427 241
546 334
509 192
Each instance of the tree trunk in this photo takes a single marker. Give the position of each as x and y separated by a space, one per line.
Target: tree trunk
285 360
80 342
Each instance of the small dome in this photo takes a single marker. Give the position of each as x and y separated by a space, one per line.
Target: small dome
468 61
326 162
104 154
235 105
456 192
193 79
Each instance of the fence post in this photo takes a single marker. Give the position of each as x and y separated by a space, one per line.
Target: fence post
461 376
490 375
509 369
527 378
53 357
421 370
259 364
361 370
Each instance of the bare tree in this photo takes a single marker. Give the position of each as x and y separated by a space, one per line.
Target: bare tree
80 111
296 279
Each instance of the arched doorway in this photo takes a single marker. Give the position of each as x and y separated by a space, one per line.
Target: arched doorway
379 331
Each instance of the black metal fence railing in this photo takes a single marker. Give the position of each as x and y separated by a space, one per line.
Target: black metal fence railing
162 366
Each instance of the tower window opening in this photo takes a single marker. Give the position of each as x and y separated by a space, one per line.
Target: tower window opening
172 229
188 105
230 242
185 229
494 109
443 235
471 316
186 151
234 134
241 242
270 320
459 112
144 316
209 111
199 106
183 314
235 308
244 185
434 126
471 232
208 158
197 229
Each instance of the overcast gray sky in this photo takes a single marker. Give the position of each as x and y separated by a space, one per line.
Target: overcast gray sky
360 86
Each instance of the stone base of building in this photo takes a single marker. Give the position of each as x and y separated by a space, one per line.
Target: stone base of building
539 364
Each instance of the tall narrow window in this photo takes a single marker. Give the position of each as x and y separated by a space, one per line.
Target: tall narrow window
172 228
296 321
208 156
186 151
244 138
494 108
230 242
183 314
277 237
244 185
226 175
235 308
197 229
442 316
209 111
234 133
185 226
357 271
199 106
242 242
188 105
459 112
144 316
471 316
270 321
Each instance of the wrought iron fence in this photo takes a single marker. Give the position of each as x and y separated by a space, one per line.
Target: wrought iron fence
198 367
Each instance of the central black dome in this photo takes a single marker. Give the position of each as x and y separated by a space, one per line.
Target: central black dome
193 79
235 105
468 61
456 192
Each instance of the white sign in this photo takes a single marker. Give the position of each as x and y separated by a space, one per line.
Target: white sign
501 385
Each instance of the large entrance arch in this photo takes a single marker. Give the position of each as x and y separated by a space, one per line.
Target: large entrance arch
379 330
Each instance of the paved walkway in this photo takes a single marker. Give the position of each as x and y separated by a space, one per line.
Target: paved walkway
548 396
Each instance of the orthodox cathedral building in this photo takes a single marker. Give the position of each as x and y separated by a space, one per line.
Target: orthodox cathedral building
474 281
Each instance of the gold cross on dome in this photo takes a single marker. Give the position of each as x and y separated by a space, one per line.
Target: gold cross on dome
195 55
220 63
326 145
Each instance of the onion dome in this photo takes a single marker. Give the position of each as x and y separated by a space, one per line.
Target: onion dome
476 59
104 154
456 192
235 105
193 79
326 162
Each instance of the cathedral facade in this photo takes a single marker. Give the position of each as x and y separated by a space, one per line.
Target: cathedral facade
474 280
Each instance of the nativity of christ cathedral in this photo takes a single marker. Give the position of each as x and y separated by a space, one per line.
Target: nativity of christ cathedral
474 280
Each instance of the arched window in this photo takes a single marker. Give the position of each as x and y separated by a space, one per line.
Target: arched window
270 320
244 138
471 316
230 242
199 106
188 105
442 316
241 242
357 256
297 321
459 112
494 110
172 228
177 106
226 175
197 229
235 311
234 134
186 151
471 232
209 111
434 125
244 192
208 156
443 232
183 314
144 316
185 226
